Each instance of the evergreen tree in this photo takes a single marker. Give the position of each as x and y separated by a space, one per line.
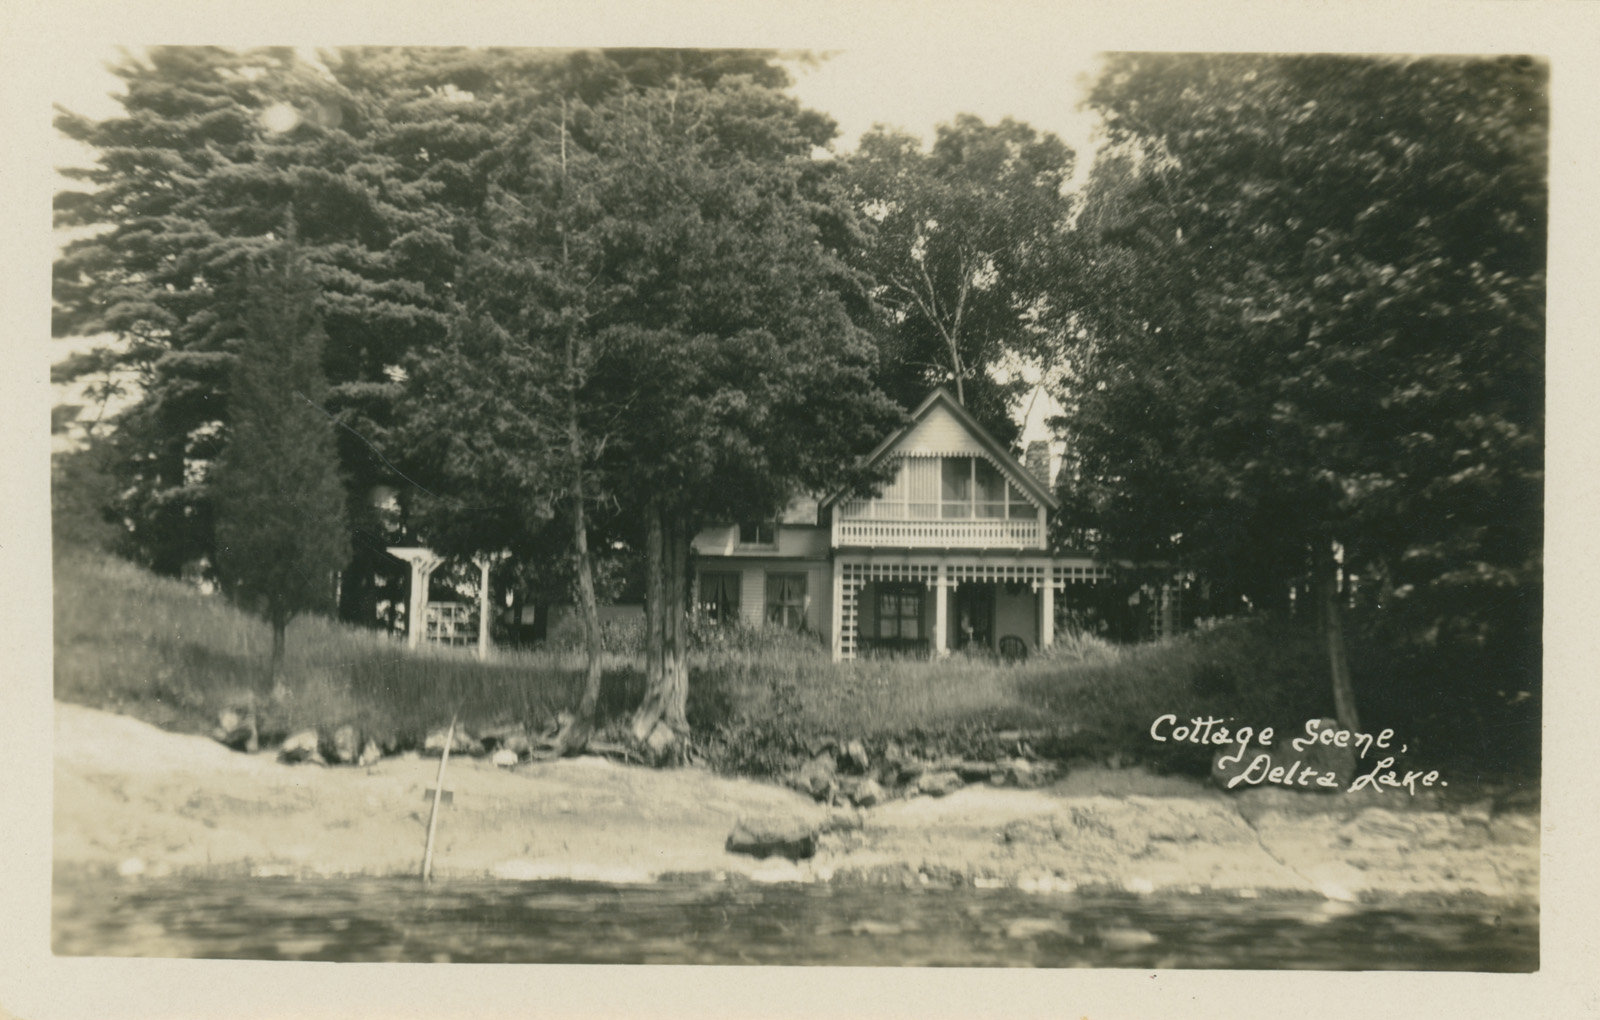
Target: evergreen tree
281 531
660 326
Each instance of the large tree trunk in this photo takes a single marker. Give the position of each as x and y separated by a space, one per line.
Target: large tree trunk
590 607
1344 698
574 738
661 723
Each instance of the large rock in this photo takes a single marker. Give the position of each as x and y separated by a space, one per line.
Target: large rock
462 743
510 737
854 758
865 793
236 731
344 747
792 838
818 777
976 771
371 754
301 746
938 784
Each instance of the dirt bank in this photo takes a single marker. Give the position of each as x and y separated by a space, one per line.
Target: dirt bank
130 796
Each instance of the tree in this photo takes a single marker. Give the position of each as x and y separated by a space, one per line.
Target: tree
963 238
384 155
280 502
1307 329
658 297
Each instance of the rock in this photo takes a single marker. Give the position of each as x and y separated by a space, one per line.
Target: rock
345 747
504 758
975 771
819 777
463 743
791 838
371 753
236 731
510 737
938 784
301 747
1021 773
854 757
866 793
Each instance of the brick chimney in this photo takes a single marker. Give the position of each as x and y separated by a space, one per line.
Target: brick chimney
1037 461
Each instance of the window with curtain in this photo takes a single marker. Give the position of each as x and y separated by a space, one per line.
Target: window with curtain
719 595
786 600
900 611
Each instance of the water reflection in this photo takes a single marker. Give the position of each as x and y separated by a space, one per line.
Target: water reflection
724 923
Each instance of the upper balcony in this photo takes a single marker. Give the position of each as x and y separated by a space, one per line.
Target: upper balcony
874 523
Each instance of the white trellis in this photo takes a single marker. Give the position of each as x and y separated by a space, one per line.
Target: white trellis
941 574
424 562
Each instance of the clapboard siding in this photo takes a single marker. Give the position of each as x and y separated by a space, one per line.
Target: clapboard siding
939 432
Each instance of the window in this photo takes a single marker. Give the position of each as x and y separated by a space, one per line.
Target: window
758 533
955 488
719 596
973 487
900 611
989 490
786 600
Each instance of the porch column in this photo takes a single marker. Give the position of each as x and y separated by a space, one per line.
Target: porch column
1047 608
483 606
941 614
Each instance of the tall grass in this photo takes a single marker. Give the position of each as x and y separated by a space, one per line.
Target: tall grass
759 702
158 649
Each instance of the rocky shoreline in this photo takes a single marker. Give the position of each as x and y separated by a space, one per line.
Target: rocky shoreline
142 801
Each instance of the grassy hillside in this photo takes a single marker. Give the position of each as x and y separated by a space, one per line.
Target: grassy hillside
159 650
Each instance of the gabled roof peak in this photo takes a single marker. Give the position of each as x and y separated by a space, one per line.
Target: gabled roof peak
943 397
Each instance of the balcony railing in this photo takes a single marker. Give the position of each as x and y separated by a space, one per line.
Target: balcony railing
987 533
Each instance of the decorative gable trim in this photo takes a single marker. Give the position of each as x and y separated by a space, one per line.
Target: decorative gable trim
996 453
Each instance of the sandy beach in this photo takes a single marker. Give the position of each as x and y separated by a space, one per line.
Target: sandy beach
134 798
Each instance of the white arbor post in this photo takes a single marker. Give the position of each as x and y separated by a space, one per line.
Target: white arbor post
424 562
1047 608
941 614
484 563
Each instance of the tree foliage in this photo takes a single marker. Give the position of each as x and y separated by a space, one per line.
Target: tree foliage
1308 315
279 498
659 315
965 239
382 154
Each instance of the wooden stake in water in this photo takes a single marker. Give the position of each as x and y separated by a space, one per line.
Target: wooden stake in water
438 792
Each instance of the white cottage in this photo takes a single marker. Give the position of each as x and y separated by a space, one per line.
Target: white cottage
954 552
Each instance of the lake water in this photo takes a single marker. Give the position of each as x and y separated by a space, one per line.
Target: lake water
731 923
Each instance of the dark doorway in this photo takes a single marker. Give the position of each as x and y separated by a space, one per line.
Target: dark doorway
972 616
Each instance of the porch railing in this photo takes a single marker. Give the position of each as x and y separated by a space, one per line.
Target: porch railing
955 534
